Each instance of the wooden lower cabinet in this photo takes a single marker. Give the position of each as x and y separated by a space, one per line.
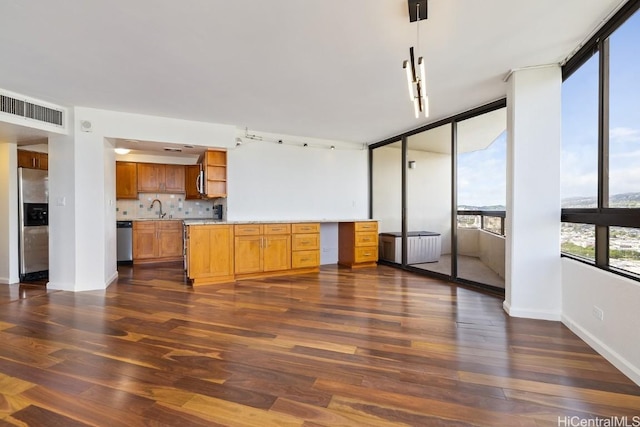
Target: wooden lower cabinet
358 244
261 248
157 241
210 257
248 254
221 253
305 245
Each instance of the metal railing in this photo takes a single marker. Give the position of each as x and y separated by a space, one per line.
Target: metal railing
490 221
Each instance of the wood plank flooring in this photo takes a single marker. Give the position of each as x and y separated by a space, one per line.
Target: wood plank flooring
375 347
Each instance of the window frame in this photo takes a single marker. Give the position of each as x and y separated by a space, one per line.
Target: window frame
602 216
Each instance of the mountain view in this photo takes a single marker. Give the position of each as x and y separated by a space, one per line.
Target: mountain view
579 239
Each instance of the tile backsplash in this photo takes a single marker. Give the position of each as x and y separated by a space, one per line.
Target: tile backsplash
174 205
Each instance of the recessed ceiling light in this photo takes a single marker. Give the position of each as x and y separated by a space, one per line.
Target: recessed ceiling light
188 146
173 150
122 150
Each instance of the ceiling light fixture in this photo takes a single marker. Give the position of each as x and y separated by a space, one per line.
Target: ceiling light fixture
122 151
416 82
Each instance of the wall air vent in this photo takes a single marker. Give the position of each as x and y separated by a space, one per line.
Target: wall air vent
31 112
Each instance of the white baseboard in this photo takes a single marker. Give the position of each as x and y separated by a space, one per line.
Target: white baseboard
633 372
531 314
112 279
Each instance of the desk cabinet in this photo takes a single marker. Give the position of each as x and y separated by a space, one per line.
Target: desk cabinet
358 244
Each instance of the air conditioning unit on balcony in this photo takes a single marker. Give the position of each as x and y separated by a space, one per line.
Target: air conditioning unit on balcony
30 112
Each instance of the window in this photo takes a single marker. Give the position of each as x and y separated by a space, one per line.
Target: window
579 173
624 115
601 149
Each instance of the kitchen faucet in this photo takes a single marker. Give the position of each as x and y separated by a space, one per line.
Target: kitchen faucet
160 214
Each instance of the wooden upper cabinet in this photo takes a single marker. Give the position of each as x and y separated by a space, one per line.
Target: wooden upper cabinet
191 174
174 179
150 177
126 180
33 160
158 178
214 165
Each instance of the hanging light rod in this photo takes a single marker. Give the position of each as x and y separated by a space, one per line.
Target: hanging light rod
413 10
416 82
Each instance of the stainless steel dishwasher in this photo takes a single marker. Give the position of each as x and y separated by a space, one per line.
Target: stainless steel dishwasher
124 241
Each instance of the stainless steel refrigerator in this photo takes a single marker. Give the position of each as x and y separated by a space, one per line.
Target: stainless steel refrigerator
33 198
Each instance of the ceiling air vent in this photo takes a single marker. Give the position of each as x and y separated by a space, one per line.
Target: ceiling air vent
32 110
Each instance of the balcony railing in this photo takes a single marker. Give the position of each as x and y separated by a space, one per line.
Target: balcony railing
491 221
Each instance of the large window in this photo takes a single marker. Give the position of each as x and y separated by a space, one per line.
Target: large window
601 148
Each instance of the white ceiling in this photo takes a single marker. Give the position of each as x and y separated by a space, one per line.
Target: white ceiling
317 68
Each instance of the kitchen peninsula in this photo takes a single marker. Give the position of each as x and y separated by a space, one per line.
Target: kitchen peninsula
222 252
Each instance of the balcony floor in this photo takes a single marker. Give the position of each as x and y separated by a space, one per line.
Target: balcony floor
470 268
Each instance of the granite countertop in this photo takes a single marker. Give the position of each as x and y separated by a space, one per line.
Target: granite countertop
288 221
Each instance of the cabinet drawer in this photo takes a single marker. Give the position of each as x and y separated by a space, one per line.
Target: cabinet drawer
302 259
277 228
248 229
144 225
366 239
305 242
367 226
170 225
366 254
306 228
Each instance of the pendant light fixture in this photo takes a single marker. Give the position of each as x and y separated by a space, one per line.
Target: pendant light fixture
416 72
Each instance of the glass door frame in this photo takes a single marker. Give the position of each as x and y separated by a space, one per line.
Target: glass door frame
453 121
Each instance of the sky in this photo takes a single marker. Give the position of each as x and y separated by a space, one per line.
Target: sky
482 174
580 119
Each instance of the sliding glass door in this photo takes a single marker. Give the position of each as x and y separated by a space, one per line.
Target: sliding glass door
439 196
481 198
428 186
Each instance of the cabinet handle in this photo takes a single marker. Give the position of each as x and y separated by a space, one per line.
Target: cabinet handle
199 182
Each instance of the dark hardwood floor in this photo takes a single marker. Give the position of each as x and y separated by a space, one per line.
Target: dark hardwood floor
369 348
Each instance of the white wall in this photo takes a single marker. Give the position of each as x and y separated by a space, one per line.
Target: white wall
533 275
492 249
9 268
62 226
616 336
387 188
428 192
265 181
286 182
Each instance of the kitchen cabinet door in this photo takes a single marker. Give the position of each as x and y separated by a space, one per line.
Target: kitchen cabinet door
210 253
144 240
191 174
150 177
170 238
277 252
248 254
126 180
174 178
33 160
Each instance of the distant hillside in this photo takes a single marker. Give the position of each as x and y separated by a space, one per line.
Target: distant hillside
617 200
627 200
481 208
